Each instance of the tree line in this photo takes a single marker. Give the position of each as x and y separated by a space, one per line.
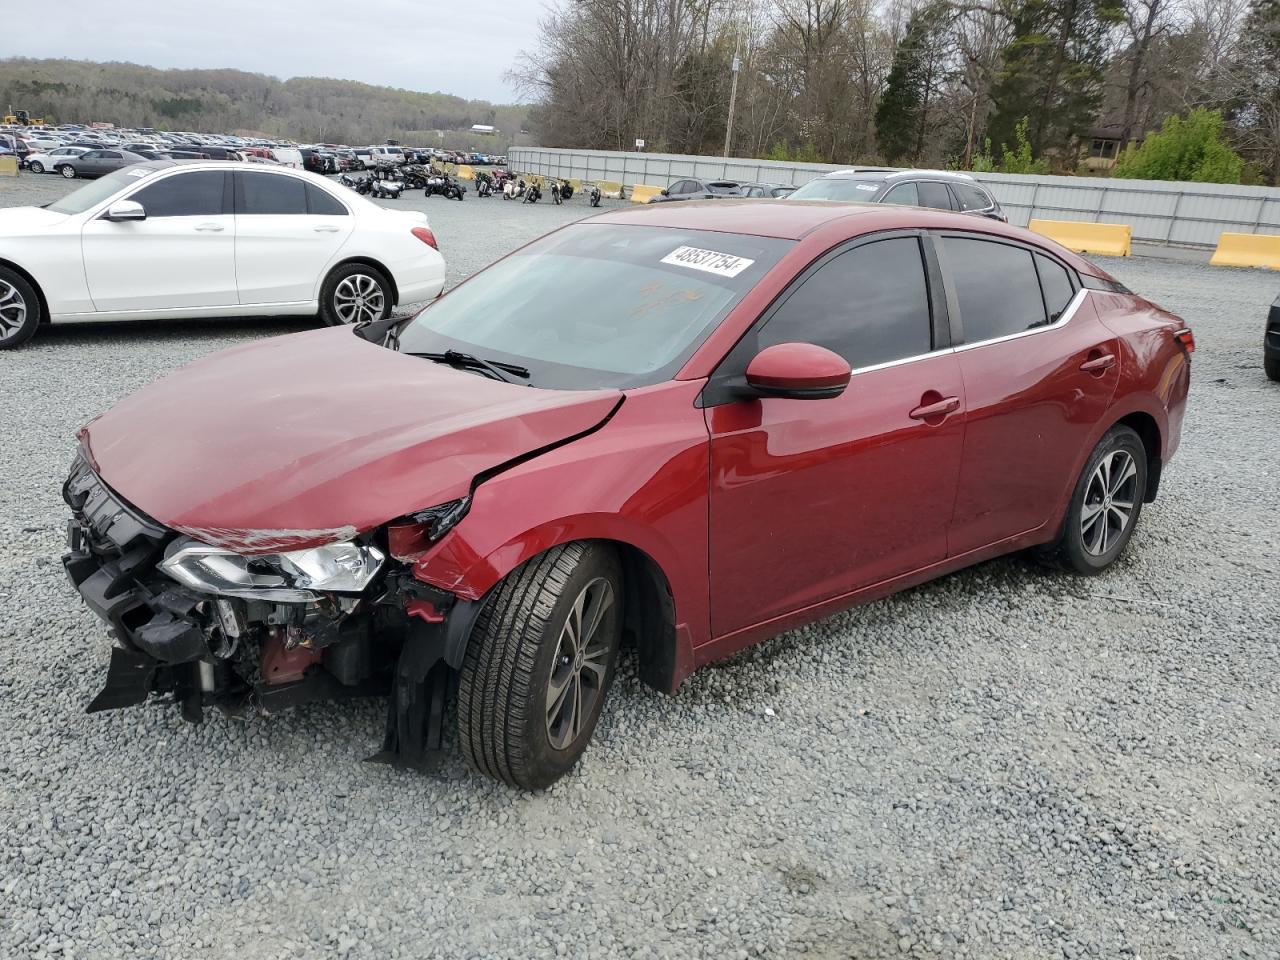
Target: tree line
966 83
306 109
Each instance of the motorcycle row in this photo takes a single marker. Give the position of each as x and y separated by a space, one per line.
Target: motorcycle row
387 182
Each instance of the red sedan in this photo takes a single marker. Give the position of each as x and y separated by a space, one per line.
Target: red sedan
687 427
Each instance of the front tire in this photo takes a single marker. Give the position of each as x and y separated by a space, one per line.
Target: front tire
36 166
353 293
1105 504
68 171
19 310
539 665
1271 366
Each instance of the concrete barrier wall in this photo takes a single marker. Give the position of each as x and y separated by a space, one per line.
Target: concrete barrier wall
1180 214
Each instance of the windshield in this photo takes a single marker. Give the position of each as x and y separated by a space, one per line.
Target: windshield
598 305
837 188
95 191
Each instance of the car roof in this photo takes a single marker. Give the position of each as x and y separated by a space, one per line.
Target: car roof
787 219
894 173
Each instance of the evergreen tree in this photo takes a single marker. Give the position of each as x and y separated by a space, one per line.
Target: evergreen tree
1053 70
1255 73
919 64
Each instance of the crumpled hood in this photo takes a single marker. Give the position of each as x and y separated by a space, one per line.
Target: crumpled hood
311 438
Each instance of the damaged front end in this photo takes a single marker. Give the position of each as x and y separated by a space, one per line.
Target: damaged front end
210 626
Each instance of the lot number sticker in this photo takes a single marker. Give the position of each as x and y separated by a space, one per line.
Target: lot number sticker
708 261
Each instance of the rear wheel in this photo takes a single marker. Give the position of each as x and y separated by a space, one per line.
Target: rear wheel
539 665
68 171
1105 505
19 310
353 293
36 166
1271 365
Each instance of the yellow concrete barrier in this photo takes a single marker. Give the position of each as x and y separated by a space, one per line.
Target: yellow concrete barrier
8 166
1247 250
643 192
610 188
1109 239
466 171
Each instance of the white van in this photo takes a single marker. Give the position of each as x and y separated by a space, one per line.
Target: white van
387 154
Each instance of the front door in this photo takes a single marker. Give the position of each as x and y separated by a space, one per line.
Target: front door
813 499
181 256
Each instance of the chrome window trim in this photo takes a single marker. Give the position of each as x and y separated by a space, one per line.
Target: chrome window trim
1062 321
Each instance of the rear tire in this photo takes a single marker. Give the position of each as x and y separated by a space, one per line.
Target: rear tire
1105 505
529 694
19 310
1271 366
355 292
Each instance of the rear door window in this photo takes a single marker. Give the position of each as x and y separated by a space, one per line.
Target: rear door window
997 288
270 193
906 193
934 194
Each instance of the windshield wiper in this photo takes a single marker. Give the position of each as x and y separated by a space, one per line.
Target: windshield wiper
495 368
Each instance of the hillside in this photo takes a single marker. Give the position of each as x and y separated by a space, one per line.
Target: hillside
303 108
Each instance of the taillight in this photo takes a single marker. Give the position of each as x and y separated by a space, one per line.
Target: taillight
1186 339
426 236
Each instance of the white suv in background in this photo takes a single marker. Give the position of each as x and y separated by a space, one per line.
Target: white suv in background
168 239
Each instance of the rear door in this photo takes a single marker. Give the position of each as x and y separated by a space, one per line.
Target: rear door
287 232
1039 370
181 256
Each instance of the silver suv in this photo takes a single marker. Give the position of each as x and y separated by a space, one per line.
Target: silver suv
942 189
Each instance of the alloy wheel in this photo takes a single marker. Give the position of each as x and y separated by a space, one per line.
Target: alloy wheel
580 664
358 297
1109 502
69 172
36 167
13 310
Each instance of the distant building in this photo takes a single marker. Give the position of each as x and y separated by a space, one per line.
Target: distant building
484 128
1101 146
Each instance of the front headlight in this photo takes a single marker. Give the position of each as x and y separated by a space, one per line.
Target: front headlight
291 577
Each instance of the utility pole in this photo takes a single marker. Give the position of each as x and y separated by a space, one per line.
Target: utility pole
733 91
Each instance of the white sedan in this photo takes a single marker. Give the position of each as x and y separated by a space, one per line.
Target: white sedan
47 161
181 239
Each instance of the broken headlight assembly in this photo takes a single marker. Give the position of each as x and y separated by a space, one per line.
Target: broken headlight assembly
291 577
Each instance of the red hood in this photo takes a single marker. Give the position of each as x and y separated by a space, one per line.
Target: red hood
306 439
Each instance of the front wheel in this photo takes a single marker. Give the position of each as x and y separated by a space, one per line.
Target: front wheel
354 293
1105 505
36 166
19 310
68 171
539 665
1271 366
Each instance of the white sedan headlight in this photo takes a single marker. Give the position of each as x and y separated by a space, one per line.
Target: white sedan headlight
291 577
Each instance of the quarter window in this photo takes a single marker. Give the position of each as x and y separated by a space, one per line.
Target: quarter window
1056 284
996 287
970 197
934 194
869 304
906 193
197 194
270 193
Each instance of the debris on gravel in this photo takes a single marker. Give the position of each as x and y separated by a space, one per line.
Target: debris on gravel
1004 763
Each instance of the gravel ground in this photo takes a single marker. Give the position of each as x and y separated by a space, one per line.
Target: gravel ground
1005 763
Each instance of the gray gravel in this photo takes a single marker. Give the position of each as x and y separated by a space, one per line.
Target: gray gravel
1002 764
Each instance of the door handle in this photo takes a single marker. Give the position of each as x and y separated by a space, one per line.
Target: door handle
1096 364
327 228
939 408
210 227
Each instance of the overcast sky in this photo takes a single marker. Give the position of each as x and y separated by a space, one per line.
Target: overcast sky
430 45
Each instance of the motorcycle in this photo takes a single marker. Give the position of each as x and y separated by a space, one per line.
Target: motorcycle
513 189
593 197
555 193
441 184
484 184
360 185
533 194
414 176
386 189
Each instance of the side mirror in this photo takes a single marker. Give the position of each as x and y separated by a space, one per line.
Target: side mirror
798 371
123 210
